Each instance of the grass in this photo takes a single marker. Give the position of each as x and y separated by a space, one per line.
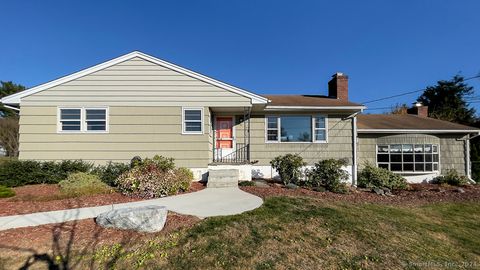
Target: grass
303 233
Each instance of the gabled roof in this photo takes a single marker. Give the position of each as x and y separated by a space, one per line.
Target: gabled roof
16 98
310 101
398 123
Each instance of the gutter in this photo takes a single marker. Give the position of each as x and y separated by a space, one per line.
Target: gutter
403 131
281 108
11 107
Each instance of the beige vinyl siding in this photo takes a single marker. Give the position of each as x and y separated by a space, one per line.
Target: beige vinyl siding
452 149
135 82
134 131
339 141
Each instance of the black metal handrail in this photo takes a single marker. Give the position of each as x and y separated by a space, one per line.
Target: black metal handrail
240 155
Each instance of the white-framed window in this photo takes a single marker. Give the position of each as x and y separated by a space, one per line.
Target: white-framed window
70 119
82 120
296 128
320 128
408 157
192 120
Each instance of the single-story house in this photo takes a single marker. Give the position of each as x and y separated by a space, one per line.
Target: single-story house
139 105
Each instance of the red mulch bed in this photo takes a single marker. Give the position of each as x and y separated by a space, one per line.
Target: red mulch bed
81 236
417 195
41 198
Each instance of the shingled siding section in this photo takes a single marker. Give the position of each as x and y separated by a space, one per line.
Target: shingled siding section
339 143
145 116
136 82
133 131
452 148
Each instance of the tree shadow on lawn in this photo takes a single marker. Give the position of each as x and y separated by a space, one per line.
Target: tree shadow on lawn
79 244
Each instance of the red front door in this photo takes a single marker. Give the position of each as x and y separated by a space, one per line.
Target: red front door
224 132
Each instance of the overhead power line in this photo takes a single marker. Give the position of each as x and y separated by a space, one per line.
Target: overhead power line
412 92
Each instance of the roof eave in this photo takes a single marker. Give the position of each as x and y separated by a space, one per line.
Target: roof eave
374 130
282 107
15 99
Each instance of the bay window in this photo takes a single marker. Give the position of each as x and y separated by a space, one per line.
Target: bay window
408 157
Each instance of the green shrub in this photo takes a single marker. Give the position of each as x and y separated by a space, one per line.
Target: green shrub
161 162
246 183
150 180
110 172
15 173
81 183
452 178
184 178
374 177
330 175
289 167
6 192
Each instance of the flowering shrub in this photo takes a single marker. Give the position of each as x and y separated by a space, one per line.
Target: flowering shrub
152 179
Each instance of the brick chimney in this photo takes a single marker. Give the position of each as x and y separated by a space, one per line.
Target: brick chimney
338 86
419 109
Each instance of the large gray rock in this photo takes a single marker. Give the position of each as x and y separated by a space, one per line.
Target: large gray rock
143 219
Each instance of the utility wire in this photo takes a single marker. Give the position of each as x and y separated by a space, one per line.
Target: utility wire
412 92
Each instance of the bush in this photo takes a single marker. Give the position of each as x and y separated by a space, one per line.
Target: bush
452 178
330 175
374 177
135 161
184 177
246 183
110 172
81 183
161 162
6 192
15 173
289 167
154 178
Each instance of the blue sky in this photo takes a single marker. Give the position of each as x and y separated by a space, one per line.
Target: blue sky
282 47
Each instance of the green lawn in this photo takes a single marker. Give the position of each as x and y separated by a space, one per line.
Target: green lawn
304 233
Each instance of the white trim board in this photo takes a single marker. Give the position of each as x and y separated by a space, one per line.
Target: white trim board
15 99
282 108
416 131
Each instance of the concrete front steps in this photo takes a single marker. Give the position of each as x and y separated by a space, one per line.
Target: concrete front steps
222 178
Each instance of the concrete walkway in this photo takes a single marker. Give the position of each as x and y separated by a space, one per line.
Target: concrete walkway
205 203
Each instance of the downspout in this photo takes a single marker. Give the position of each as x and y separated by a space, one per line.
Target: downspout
354 146
354 156
467 147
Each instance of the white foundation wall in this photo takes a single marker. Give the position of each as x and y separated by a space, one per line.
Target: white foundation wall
420 178
268 172
245 171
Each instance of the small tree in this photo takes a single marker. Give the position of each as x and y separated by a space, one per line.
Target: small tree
289 167
9 135
399 109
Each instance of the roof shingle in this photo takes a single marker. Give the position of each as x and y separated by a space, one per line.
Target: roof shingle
307 100
407 122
